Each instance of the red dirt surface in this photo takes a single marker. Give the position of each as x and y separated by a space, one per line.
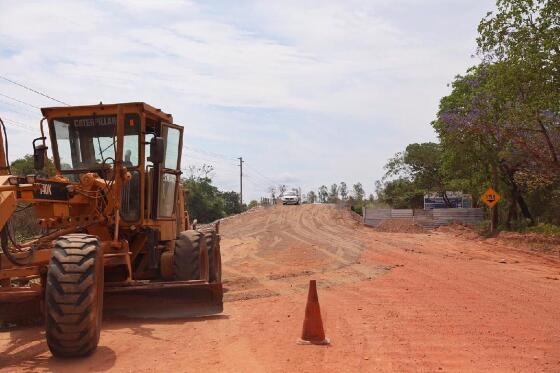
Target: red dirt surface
536 242
396 225
390 302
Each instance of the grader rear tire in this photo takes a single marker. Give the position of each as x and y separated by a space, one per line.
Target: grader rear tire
186 260
214 256
74 296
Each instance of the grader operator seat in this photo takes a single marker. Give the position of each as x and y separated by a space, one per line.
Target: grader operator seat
116 201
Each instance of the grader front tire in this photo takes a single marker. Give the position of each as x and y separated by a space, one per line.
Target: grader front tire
74 296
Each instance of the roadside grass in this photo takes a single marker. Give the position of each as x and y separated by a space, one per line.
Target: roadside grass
523 226
544 228
483 228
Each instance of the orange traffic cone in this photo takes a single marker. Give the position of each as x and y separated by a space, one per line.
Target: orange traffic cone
313 332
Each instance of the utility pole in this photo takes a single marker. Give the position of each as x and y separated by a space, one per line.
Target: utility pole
241 181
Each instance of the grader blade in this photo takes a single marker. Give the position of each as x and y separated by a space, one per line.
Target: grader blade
163 300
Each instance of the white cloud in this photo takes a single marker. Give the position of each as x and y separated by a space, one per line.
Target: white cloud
312 92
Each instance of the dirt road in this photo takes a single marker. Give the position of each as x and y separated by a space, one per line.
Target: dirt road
390 302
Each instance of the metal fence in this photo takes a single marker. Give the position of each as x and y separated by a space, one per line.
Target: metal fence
426 218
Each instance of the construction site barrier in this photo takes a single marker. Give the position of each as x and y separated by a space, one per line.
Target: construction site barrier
426 218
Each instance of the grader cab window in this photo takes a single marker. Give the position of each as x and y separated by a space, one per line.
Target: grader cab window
172 137
169 177
85 143
90 144
130 208
130 141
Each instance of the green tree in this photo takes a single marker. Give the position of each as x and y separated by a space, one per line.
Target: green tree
476 119
400 193
25 166
311 197
204 201
356 198
323 194
231 202
343 190
358 192
333 193
522 39
422 164
500 124
252 204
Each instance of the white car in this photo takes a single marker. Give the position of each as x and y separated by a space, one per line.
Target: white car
290 198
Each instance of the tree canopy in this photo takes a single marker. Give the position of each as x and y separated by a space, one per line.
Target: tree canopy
205 202
500 124
25 166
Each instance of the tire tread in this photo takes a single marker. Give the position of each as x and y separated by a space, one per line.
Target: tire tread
72 304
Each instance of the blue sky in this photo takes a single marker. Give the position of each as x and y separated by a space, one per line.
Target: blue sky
309 93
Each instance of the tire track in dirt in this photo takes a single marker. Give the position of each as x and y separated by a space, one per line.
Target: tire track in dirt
286 247
331 244
442 304
473 307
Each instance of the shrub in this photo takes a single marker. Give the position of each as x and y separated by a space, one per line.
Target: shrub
545 228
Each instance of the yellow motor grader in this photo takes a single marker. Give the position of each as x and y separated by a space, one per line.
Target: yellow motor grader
113 226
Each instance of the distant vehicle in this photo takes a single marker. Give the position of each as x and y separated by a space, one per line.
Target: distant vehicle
290 198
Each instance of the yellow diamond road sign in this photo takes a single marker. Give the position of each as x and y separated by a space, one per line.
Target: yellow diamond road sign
490 197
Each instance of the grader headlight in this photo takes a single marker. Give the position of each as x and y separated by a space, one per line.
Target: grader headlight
13 180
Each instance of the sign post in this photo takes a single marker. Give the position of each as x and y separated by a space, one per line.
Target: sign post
490 197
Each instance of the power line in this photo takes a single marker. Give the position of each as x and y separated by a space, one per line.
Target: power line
21 102
256 183
262 175
219 166
214 161
205 157
33 90
259 187
13 108
14 121
209 153
223 172
18 125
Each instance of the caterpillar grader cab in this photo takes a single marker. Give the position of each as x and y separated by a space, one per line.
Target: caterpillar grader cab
114 232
